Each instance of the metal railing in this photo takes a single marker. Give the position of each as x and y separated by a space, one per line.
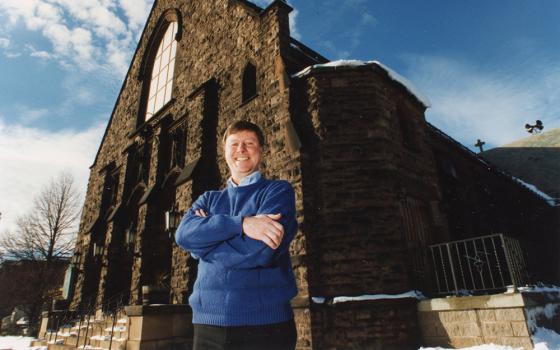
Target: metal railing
82 319
487 263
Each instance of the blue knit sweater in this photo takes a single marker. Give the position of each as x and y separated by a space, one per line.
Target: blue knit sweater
241 281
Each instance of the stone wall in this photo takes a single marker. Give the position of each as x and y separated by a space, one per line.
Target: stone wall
366 325
353 143
503 319
356 173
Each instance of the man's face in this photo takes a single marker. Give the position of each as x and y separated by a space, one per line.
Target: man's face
243 154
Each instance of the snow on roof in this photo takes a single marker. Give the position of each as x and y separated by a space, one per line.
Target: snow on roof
342 299
551 201
356 63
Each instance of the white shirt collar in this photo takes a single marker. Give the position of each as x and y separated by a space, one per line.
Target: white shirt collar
247 180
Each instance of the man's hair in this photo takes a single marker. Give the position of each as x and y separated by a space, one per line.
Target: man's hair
242 125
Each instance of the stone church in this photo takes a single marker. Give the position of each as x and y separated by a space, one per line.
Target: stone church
375 184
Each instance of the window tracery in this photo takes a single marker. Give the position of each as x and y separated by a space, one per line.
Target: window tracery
163 68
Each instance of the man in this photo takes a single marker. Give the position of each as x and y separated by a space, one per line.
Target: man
241 236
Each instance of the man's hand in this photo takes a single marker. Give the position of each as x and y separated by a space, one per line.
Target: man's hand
265 228
201 213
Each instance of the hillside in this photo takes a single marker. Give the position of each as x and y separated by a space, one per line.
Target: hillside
534 159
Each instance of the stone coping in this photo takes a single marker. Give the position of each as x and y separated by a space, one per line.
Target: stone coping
495 301
164 309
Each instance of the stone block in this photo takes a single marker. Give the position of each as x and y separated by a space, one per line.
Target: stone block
486 315
429 329
510 314
182 325
150 345
135 328
458 316
428 317
462 329
520 329
133 345
363 315
497 329
165 344
436 341
339 82
465 342
518 342
157 327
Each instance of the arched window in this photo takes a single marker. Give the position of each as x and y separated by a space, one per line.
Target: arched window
161 83
249 84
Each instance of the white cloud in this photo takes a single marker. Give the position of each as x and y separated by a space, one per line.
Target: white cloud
40 54
4 43
6 46
368 19
262 3
29 115
136 11
31 157
12 54
293 25
82 34
340 54
470 104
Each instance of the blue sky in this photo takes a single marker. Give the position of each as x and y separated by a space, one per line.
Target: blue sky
488 67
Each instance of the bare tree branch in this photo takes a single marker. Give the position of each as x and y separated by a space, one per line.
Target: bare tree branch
48 231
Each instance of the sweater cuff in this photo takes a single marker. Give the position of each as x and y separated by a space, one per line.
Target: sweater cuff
238 223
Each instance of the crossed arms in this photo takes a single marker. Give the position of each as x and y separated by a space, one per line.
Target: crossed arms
241 242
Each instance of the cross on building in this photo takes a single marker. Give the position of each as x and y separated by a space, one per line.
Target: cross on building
479 144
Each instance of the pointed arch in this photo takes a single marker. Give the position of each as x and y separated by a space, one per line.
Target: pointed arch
158 65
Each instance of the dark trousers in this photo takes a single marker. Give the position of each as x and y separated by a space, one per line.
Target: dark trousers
278 336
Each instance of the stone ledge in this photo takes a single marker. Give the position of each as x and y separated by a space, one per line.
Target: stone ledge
472 302
497 301
145 310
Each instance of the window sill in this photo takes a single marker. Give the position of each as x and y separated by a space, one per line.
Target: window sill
154 120
249 99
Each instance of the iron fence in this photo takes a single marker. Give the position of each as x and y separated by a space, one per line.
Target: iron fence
80 322
479 264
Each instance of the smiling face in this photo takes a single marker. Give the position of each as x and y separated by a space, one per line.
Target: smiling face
243 154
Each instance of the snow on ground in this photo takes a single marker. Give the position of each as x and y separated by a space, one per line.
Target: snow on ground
544 339
343 299
18 343
481 347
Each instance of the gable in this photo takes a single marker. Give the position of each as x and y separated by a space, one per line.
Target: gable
213 30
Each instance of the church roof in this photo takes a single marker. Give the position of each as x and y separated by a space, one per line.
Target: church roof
356 63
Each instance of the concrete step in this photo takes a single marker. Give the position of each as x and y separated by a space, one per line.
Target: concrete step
38 343
116 344
104 341
99 331
73 340
60 347
118 331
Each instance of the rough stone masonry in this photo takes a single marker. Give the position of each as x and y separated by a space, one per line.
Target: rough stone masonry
352 141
